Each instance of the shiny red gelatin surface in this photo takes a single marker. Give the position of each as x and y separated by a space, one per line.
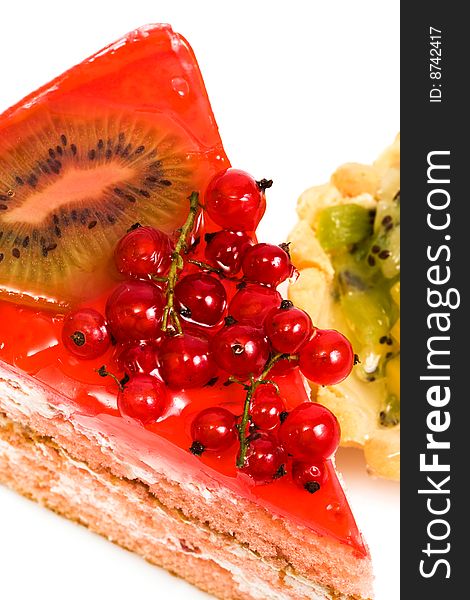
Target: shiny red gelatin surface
30 340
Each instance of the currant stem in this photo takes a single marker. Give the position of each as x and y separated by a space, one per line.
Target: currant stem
251 389
170 316
210 269
205 267
103 372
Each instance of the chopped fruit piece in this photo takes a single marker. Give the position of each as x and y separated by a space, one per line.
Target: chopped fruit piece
265 458
327 358
393 376
395 293
390 415
266 264
308 475
85 333
241 350
395 331
252 303
234 200
186 362
342 226
352 283
143 252
225 249
134 311
288 328
353 179
310 431
201 299
266 408
213 429
143 397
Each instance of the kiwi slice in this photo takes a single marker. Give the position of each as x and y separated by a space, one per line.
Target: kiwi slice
70 187
343 225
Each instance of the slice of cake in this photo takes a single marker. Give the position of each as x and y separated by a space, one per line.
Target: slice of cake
151 376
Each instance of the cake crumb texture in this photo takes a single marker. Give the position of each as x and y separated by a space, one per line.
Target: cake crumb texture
128 514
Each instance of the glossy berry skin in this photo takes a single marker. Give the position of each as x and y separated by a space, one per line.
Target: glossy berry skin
233 200
225 249
185 361
241 350
201 298
327 358
134 311
266 407
267 264
265 458
142 252
309 475
214 428
138 357
310 432
144 398
252 303
85 333
288 328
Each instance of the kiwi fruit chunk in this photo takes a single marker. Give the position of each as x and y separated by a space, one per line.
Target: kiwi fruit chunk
389 416
366 303
71 186
343 225
384 246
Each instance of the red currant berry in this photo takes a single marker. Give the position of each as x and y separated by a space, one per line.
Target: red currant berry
85 333
134 311
288 328
201 299
266 407
265 458
235 200
267 264
225 250
252 303
241 350
138 357
144 398
308 475
142 252
185 361
213 429
327 358
310 432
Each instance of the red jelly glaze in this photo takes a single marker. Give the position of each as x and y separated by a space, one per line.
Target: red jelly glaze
30 339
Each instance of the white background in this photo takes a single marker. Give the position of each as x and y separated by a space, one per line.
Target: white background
297 88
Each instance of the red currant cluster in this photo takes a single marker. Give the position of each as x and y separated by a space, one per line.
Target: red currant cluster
189 314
